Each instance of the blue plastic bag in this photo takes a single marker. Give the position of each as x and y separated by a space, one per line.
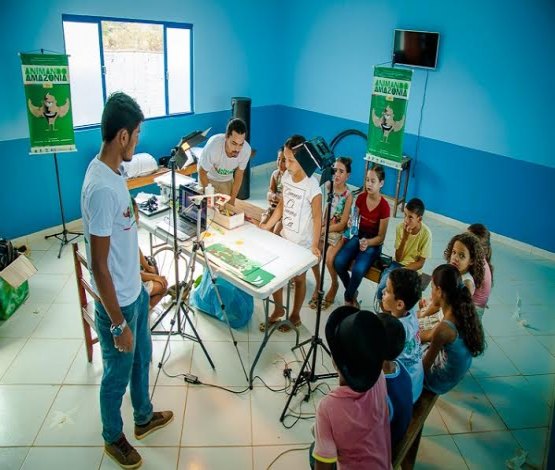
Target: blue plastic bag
238 305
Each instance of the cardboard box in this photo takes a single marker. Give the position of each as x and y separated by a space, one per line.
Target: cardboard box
228 217
18 272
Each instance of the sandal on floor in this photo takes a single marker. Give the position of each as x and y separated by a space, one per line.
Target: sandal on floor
313 303
262 325
326 303
286 328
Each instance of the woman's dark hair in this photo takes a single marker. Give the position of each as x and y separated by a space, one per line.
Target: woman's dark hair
474 246
294 141
378 169
237 125
482 232
346 162
120 112
457 296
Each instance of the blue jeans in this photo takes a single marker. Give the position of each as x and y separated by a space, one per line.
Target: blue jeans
383 279
122 368
362 261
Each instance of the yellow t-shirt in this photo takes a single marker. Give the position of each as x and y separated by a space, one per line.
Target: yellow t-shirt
417 246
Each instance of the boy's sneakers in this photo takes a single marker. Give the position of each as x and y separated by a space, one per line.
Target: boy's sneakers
159 420
123 453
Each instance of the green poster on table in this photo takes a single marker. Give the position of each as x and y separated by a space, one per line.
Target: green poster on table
386 129
48 102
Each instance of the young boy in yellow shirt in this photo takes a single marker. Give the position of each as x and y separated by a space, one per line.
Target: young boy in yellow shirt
413 243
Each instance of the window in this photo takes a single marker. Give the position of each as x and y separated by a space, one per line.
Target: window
150 61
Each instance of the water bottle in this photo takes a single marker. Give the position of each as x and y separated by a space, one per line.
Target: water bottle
209 191
354 220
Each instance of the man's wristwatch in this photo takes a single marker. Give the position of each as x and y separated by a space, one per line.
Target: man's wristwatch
117 330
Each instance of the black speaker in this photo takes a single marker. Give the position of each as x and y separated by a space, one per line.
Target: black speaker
241 108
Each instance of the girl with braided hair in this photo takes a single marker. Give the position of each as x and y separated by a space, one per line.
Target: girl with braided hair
457 338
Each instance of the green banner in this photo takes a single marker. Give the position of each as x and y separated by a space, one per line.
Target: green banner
48 102
386 129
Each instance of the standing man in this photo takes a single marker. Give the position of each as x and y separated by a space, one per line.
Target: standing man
224 159
121 316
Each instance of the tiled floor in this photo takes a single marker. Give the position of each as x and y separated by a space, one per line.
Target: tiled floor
49 416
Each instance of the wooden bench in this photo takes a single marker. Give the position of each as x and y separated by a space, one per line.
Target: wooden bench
404 454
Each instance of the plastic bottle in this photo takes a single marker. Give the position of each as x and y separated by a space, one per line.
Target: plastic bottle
209 191
355 219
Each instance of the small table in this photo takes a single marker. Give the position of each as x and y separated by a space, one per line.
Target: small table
290 261
401 167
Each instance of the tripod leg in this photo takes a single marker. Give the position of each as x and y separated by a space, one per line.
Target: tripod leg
195 334
222 306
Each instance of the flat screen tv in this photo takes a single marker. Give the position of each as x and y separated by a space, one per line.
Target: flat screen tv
415 48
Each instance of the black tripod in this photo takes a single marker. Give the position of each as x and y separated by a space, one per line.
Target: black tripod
182 311
309 376
62 236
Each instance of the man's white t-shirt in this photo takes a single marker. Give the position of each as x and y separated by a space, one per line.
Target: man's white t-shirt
217 164
107 212
297 218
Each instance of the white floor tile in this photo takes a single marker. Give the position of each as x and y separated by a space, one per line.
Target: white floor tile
488 450
228 370
230 458
9 348
24 320
54 458
11 458
44 288
438 452
22 411
42 361
62 321
214 416
74 419
83 372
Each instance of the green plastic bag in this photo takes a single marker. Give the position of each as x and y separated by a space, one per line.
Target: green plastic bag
11 299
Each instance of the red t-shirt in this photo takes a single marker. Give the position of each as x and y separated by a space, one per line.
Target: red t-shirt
370 220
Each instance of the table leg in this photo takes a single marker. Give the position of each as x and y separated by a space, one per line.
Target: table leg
407 176
397 188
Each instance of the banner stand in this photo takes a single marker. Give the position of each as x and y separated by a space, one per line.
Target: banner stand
46 83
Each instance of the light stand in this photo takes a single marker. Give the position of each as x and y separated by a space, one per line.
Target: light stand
62 236
314 154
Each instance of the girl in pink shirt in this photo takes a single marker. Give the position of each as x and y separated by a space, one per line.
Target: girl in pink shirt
482 293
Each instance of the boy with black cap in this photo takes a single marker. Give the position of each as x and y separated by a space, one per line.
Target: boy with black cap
352 421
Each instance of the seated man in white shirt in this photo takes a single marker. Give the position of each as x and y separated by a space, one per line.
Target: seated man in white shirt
224 159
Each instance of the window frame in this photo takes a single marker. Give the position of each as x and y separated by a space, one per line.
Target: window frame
165 25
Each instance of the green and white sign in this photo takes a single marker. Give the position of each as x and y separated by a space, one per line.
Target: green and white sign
48 102
386 129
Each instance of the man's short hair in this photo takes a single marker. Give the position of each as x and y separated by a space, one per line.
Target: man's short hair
120 112
406 285
416 206
237 125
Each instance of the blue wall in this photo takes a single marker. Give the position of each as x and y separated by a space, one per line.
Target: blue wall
483 152
231 48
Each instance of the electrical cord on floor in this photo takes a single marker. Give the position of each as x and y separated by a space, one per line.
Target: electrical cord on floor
285 452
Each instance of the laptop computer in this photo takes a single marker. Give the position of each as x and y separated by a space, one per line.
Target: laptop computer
188 214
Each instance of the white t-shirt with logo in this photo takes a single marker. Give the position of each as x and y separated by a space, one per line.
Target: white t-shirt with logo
107 212
297 209
217 164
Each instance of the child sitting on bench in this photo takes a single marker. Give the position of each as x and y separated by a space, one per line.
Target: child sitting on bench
457 338
413 243
402 293
399 385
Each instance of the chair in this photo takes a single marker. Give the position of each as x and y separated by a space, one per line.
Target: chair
87 306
